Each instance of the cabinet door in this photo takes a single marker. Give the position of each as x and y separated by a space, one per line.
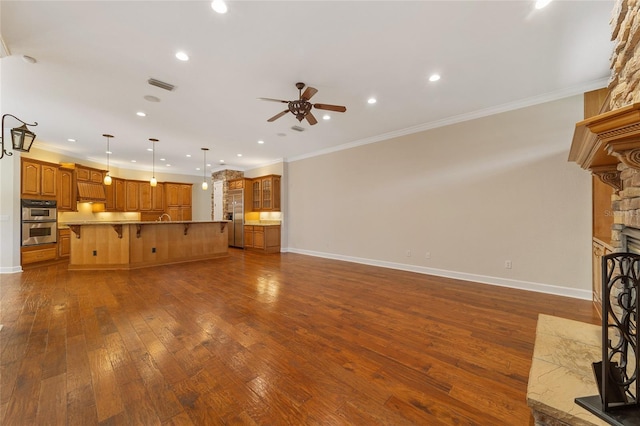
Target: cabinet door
145 196
132 194
82 174
119 194
64 243
157 198
66 190
186 213
248 236
257 195
258 237
173 212
49 183
30 178
172 191
276 194
96 176
266 193
185 195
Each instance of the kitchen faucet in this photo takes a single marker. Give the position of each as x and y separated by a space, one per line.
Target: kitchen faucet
163 215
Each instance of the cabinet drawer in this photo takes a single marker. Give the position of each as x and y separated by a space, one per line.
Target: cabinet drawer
39 255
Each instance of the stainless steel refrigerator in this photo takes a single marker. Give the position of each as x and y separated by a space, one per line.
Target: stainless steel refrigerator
235 213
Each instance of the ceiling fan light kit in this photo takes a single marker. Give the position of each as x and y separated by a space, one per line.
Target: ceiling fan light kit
301 108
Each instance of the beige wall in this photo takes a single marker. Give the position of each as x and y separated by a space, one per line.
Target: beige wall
473 194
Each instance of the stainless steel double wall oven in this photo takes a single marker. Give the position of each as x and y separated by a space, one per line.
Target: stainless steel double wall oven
39 222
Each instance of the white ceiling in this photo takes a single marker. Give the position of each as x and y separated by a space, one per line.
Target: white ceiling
94 59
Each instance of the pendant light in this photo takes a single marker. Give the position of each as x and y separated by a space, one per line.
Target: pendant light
153 181
205 186
107 177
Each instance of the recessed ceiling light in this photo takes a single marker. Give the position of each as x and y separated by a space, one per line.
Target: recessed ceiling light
163 159
326 117
222 161
197 168
372 100
133 161
239 155
219 6
29 59
149 149
108 152
434 77
188 155
260 142
141 114
182 56
151 98
168 165
542 3
71 140
208 164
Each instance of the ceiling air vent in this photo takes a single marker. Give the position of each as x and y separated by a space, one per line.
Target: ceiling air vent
298 128
161 84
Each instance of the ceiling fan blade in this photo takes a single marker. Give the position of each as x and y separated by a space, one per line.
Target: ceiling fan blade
311 119
274 100
275 117
308 93
336 108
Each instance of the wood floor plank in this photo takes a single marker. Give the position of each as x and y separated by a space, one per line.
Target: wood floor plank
256 339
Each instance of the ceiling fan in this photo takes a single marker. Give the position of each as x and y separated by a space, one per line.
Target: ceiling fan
301 107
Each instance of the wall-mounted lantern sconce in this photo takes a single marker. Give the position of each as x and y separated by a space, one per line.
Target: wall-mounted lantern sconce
21 137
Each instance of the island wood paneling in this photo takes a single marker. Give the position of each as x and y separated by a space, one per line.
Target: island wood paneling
266 340
145 244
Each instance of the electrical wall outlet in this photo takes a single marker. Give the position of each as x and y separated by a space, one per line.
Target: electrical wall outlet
408 253
507 264
153 249
95 252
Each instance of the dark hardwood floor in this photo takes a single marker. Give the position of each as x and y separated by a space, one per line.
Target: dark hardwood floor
280 339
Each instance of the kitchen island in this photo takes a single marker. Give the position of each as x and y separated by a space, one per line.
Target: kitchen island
131 245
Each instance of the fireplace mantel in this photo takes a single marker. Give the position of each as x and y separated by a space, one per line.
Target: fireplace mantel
601 142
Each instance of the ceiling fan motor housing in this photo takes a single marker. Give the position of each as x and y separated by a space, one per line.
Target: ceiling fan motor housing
300 108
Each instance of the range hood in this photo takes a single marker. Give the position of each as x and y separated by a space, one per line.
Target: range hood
91 192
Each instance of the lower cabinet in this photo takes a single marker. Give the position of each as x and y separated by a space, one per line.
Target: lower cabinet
39 253
262 237
64 242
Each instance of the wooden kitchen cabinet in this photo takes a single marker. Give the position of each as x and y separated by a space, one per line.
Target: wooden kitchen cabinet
115 195
67 190
39 180
263 238
270 186
87 174
178 200
64 242
266 193
151 197
39 253
132 195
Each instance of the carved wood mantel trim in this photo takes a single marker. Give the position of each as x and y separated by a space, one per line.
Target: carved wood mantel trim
609 175
601 142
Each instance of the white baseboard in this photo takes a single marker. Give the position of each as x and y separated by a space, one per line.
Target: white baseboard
11 270
502 282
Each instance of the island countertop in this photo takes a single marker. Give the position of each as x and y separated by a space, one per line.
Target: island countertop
138 222
138 244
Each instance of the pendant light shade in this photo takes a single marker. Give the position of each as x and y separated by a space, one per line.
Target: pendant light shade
205 186
107 178
153 181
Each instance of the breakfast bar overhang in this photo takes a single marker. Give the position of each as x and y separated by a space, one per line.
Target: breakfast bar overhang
132 245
